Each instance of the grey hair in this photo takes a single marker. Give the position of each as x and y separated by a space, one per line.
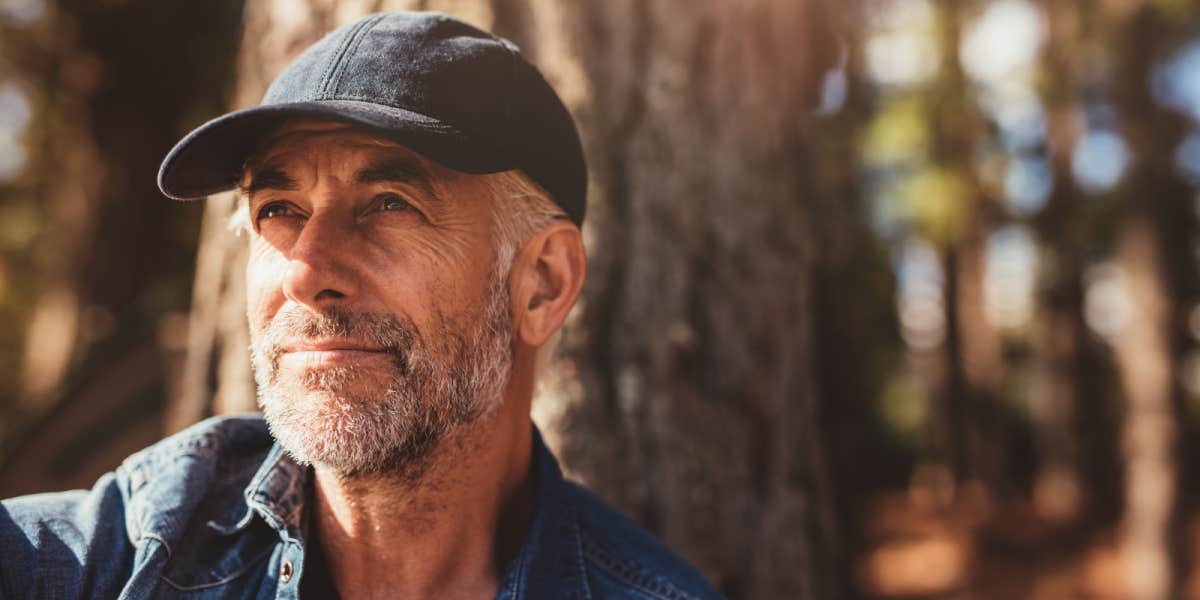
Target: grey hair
520 207
239 219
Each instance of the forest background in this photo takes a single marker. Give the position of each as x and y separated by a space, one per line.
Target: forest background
887 298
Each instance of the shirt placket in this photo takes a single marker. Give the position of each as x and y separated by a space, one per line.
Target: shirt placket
277 495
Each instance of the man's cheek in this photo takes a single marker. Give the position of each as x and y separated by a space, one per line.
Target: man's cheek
264 292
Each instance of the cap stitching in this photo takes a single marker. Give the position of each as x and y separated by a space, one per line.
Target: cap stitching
329 67
334 66
358 37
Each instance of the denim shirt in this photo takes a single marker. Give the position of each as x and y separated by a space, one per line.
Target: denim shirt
216 511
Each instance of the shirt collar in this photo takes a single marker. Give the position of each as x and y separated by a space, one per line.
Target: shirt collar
550 562
548 565
275 493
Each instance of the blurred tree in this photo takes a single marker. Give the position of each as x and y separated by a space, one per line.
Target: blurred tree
685 393
970 393
1155 252
111 94
1072 406
856 344
935 169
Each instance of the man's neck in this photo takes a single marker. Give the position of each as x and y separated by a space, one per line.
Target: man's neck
445 534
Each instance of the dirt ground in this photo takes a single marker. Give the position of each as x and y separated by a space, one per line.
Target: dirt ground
974 548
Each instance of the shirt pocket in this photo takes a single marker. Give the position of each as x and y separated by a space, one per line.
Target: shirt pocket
231 566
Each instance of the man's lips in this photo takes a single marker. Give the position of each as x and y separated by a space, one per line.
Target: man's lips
330 346
329 353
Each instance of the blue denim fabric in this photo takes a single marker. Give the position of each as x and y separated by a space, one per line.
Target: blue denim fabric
215 512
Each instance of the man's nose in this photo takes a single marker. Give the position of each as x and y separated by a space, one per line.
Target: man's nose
317 271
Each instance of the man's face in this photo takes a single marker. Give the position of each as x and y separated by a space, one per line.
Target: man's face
379 320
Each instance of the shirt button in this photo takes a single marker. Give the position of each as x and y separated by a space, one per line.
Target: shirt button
285 571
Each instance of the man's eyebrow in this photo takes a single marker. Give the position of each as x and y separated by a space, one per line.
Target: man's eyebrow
271 178
396 171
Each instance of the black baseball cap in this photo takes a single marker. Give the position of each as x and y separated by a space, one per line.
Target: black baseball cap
456 94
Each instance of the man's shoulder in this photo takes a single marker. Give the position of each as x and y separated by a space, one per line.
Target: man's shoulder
217 442
204 467
54 538
219 450
622 556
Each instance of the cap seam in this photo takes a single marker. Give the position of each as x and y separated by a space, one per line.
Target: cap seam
358 37
330 67
334 69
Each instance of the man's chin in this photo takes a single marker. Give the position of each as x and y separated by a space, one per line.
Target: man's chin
325 428
333 382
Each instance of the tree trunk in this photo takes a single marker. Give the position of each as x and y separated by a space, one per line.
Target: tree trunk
855 333
698 413
1069 399
972 435
1155 252
685 392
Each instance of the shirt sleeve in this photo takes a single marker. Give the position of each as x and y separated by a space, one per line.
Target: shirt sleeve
65 544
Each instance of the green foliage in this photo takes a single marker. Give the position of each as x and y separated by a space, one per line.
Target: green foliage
898 133
936 200
1177 10
905 409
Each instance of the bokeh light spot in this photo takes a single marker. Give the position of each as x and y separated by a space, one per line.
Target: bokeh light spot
1099 160
1027 184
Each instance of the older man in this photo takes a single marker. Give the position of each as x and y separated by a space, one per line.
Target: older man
412 190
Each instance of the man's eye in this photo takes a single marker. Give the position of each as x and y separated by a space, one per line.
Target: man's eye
390 202
274 209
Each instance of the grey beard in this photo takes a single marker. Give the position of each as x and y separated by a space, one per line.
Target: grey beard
360 423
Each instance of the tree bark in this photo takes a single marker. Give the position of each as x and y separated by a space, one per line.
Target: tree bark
684 393
698 413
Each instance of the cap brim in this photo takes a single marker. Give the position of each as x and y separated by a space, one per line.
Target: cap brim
210 158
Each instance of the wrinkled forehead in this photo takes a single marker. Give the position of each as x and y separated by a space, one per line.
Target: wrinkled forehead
298 141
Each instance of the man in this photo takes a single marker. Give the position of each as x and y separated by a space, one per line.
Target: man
412 190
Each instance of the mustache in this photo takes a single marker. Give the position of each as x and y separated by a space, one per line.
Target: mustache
392 334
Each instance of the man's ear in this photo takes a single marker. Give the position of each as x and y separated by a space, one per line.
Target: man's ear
546 279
